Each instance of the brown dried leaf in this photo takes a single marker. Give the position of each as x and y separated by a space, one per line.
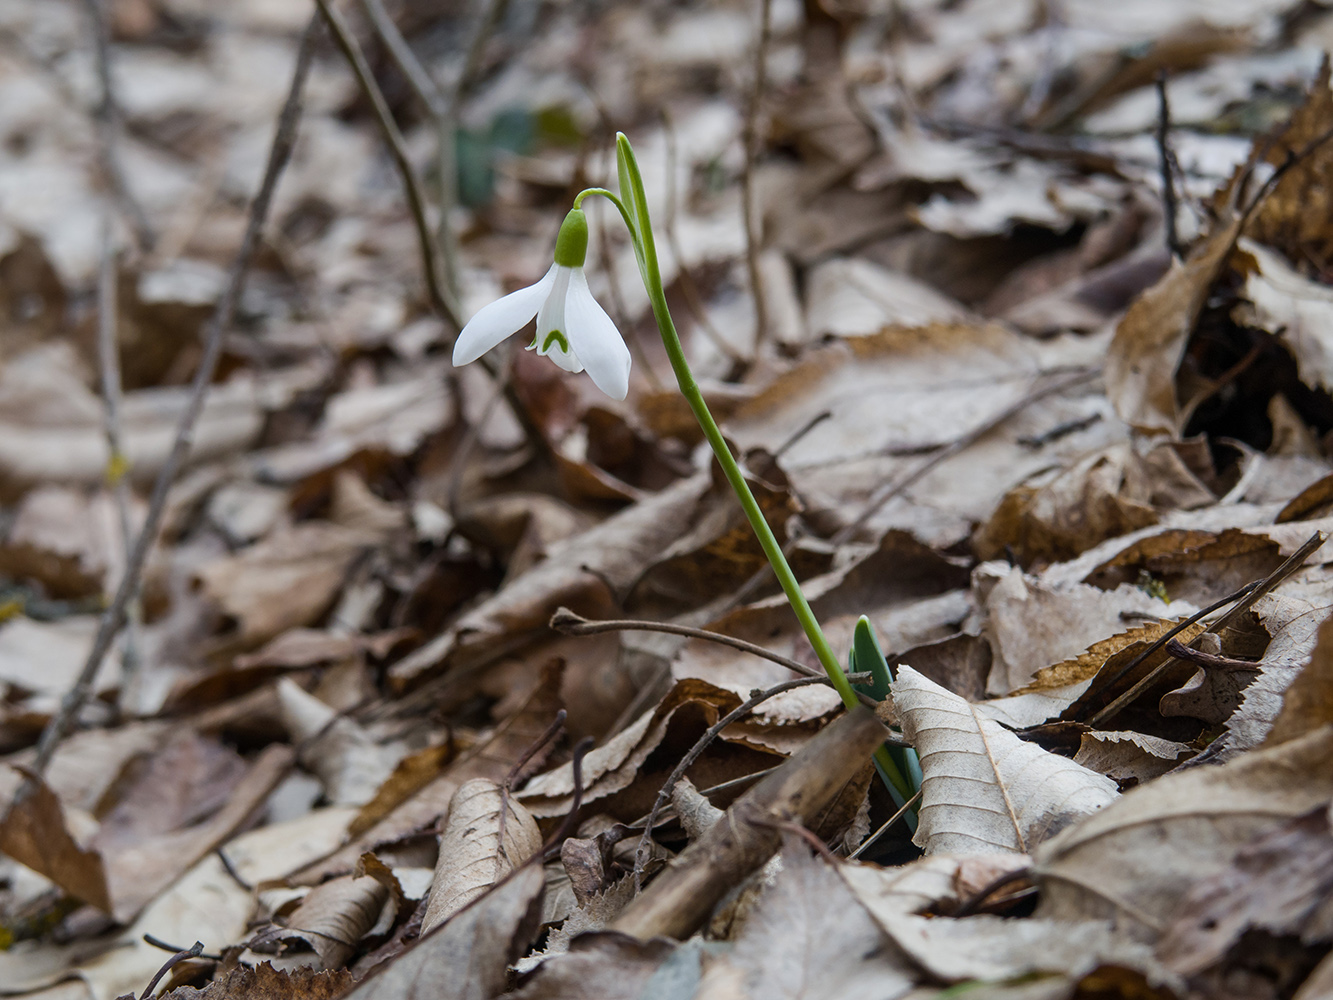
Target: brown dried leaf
287 580
1150 341
781 950
34 832
1135 860
466 958
983 788
488 834
332 918
1307 703
602 964
1281 882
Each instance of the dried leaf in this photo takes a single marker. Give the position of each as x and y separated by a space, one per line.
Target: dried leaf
983 788
467 957
1135 860
263 982
332 918
488 834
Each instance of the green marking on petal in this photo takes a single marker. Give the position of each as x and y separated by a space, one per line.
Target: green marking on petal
557 337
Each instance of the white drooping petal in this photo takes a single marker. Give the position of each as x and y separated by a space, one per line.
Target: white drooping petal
553 319
595 339
502 318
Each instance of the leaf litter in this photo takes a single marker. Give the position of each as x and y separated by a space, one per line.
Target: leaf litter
1037 373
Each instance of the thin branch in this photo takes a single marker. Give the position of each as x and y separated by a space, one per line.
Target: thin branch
902 811
749 137
1258 590
1165 158
108 117
117 469
567 622
1211 661
217 326
437 288
393 138
194 951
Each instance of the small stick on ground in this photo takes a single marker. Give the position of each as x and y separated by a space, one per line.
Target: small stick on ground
680 899
1264 586
194 951
117 469
107 115
902 811
750 139
567 622
214 331
1166 163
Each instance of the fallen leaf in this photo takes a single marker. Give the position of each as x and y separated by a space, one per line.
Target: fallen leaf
467 957
984 789
1281 882
263 982
1134 860
487 835
782 949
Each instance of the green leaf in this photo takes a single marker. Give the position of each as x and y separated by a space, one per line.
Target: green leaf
867 656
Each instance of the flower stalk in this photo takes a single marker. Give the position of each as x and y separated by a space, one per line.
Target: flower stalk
633 208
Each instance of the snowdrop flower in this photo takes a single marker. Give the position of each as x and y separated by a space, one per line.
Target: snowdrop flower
572 329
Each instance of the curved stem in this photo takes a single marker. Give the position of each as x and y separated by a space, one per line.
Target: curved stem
640 226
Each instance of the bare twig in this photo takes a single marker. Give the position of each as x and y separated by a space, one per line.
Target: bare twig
167 946
1211 661
117 469
217 326
902 811
1265 586
393 138
433 269
749 138
1165 158
797 830
107 115
194 951
973 904
568 623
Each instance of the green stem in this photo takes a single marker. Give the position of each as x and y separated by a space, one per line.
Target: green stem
640 227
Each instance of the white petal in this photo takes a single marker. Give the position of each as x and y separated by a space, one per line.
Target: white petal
502 318
595 339
552 319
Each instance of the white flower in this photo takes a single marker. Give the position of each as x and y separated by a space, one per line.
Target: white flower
572 329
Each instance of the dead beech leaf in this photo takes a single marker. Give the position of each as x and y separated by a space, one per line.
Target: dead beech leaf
287 580
781 949
487 835
34 832
1281 882
332 918
1307 702
351 764
1293 624
1130 756
614 765
467 957
1150 341
602 964
575 573
983 788
939 883
1134 860
263 982
418 793
1032 624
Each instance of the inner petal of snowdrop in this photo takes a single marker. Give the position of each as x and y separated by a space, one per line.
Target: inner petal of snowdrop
552 332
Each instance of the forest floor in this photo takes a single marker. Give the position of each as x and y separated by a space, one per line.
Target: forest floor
328 669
